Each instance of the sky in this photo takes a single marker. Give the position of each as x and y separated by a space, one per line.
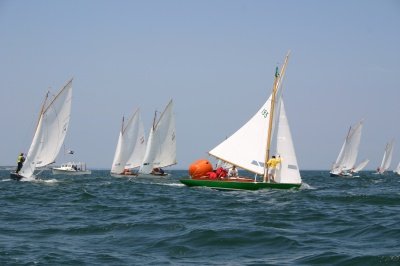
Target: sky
215 59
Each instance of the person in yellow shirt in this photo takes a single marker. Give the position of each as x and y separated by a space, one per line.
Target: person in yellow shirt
272 164
20 162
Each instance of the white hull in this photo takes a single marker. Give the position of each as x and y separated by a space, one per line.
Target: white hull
57 171
121 175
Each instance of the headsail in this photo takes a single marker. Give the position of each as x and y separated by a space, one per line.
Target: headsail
361 166
50 132
161 144
288 170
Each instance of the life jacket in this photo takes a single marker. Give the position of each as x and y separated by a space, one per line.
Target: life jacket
212 175
221 172
20 159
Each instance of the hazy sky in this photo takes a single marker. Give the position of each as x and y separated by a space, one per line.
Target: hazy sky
216 59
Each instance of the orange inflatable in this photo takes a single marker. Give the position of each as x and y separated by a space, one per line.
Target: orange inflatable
200 168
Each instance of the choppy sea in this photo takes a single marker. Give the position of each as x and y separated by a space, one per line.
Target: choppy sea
104 220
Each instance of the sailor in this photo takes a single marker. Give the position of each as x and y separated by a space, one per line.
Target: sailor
233 172
20 162
272 164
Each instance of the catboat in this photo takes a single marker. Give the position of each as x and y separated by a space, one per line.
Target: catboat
397 170
267 129
161 145
387 158
130 148
346 160
50 133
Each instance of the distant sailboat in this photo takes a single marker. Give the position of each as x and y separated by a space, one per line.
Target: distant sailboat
387 158
161 144
397 170
346 160
131 146
50 133
250 148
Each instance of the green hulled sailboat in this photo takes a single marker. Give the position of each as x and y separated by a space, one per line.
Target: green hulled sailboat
251 147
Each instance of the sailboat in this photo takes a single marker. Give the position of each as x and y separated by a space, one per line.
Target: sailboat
397 170
161 144
131 146
49 134
387 158
346 160
250 147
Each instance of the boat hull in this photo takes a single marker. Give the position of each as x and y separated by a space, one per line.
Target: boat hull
235 185
67 172
152 175
123 175
16 176
341 175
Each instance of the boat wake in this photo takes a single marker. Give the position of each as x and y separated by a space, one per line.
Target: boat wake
306 186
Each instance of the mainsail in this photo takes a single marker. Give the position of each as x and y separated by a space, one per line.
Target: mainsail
131 145
161 144
50 132
248 147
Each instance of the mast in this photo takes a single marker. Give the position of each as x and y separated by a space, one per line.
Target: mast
272 113
42 109
154 120
122 125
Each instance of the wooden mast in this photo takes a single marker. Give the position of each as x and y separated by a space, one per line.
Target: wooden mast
275 88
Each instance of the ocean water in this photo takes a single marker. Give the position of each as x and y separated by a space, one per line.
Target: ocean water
103 220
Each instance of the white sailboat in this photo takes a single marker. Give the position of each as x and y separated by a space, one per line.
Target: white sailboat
161 144
346 160
50 133
250 148
397 170
131 146
387 158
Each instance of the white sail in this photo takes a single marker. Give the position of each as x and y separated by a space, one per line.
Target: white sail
361 166
387 157
397 170
288 170
246 147
347 157
131 145
161 144
50 132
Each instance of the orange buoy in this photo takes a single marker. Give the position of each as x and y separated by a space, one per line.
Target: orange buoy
200 168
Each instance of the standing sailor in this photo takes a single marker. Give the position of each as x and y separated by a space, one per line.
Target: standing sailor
20 162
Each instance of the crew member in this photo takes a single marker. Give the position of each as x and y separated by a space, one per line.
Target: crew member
20 162
272 164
